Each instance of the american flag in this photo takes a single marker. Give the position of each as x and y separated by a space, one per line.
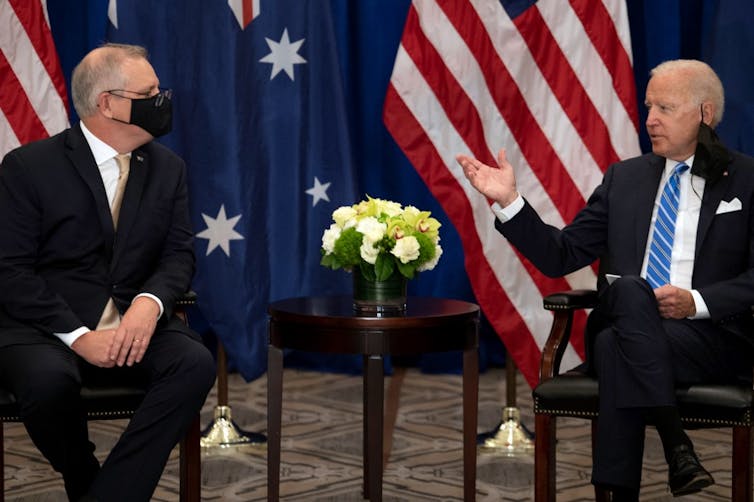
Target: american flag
552 82
33 100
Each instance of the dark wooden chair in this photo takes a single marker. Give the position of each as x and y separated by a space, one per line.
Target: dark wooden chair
574 394
110 403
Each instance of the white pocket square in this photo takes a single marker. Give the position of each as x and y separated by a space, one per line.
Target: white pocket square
729 207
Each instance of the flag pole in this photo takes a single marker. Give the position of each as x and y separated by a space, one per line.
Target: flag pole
222 431
509 438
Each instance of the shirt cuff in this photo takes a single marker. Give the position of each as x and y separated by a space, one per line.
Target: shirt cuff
702 312
153 297
506 213
69 338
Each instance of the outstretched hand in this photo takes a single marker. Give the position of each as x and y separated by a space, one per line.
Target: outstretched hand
496 183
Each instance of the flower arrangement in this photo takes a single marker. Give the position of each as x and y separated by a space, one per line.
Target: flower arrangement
379 237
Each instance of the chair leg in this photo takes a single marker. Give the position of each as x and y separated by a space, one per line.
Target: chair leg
191 464
544 458
742 464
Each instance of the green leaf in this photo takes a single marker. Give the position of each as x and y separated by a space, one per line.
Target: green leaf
406 269
384 267
330 260
367 270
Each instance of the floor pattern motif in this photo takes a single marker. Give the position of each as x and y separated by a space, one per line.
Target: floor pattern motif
321 448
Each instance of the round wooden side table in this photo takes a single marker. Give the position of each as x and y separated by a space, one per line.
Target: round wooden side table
328 324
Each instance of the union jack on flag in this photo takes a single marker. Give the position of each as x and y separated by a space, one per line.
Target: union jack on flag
244 10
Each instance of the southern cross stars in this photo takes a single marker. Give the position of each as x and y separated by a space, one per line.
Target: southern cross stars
220 231
283 55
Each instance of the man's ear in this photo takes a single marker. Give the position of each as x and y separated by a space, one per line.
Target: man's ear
103 104
708 113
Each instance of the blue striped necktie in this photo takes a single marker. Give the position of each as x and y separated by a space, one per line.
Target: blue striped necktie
658 266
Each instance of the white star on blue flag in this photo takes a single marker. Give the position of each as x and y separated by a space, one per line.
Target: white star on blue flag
220 231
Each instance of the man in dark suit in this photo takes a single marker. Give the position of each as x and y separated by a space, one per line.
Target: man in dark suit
676 308
77 247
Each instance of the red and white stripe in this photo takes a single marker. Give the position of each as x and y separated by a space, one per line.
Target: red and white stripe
33 100
555 87
244 10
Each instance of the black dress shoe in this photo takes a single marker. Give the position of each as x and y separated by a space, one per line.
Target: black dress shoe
685 473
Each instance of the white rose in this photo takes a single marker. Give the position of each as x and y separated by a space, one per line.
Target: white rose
342 215
406 249
388 207
431 263
329 237
368 252
371 228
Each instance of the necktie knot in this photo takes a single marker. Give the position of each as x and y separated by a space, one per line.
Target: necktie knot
680 168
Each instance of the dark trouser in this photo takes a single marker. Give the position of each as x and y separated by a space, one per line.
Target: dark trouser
639 359
177 371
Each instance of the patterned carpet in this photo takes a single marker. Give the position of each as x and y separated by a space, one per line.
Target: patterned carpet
321 447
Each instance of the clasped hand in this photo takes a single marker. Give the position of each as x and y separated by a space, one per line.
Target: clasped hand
127 343
674 302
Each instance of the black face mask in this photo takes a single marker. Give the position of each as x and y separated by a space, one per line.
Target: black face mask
154 115
711 157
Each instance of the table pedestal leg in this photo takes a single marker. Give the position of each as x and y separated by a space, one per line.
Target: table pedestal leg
274 417
373 425
470 398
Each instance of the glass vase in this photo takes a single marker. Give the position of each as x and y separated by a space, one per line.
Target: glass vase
379 298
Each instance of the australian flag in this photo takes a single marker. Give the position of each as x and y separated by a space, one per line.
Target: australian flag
259 118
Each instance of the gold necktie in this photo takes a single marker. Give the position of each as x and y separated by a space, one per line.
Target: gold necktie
110 316
124 164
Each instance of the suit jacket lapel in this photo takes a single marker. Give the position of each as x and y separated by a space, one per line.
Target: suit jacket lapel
81 157
713 194
647 186
131 199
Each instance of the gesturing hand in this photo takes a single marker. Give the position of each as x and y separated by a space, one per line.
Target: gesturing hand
497 183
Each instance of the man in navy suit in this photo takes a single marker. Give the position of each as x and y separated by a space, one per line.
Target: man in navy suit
75 249
649 335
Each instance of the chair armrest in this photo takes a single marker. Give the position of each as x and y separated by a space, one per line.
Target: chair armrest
188 298
563 304
570 300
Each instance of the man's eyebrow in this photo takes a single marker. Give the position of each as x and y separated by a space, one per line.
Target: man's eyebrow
146 90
